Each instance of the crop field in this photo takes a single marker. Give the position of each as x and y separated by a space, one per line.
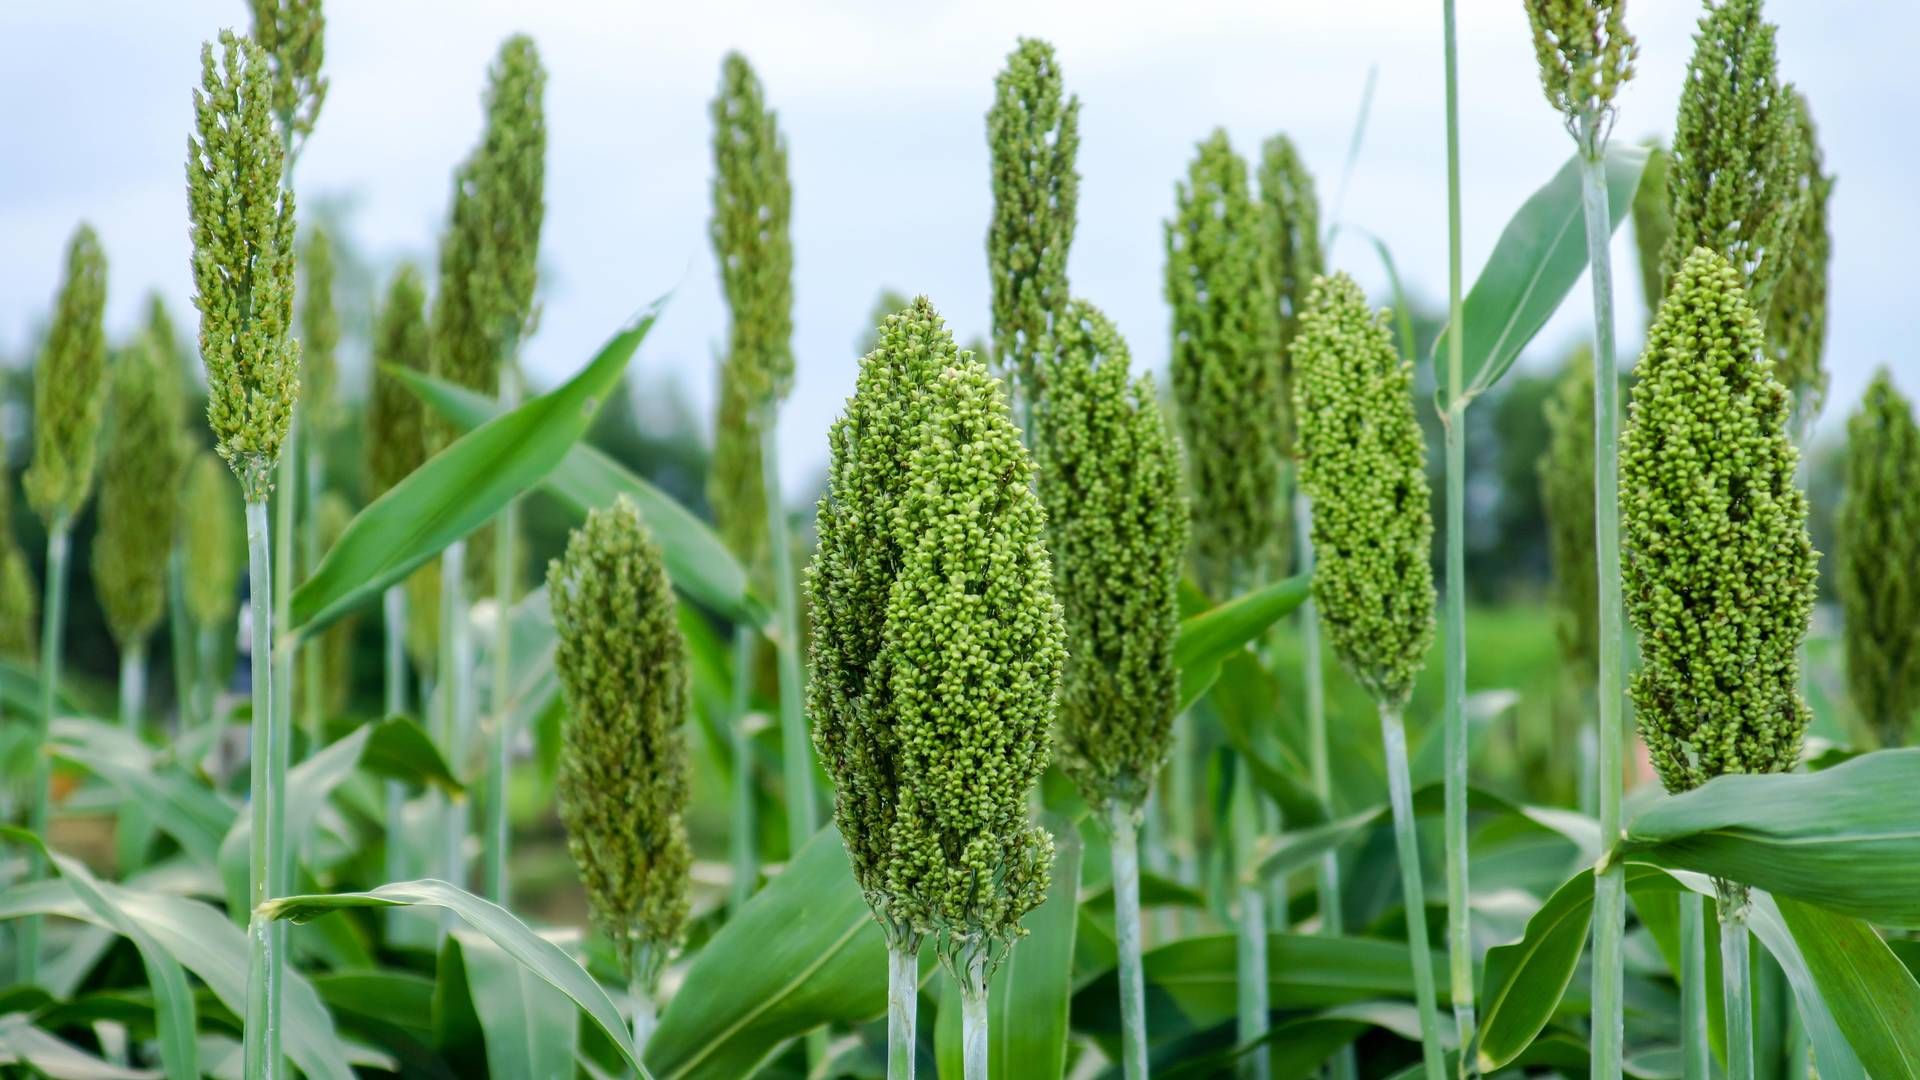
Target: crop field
1344 697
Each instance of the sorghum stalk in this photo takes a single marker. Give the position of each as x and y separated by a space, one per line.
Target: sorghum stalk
1250 929
1033 137
1736 978
925 544
1363 462
623 761
973 1017
243 278
393 611
1720 574
499 747
796 757
456 708
1879 544
68 397
319 336
1695 1053
903 993
743 839
1586 55
1111 476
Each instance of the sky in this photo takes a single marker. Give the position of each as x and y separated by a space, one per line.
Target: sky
883 106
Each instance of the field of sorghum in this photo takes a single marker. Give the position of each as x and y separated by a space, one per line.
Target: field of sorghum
1045 746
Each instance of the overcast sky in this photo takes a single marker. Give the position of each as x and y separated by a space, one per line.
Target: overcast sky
883 106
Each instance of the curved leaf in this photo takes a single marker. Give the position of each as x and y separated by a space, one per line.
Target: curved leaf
46 1055
1206 640
1534 265
1873 996
537 954
309 784
196 816
458 489
529 1026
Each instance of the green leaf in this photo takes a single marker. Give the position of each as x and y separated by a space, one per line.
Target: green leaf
309 784
1846 838
530 1027
193 814
537 954
172 997
587 479
1538 259
400 749
1028 997
22 1044
1206 640
1873 996
458 489
803 952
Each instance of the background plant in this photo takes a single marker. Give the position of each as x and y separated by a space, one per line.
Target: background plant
1880 537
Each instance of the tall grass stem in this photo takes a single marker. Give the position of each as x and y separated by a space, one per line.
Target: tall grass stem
1406 838
903 999
53 622
393 614
1250 929
497 834
1736 980
743 838
1123 838
795 752
267 863
456 693
1695 1055
973 1015
313 673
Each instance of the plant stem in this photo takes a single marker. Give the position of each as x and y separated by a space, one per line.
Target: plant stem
1406 839
1183 836
1610 885
180 640
53 621
1250 927
742 841
1124 848
133 827
903 998
456 707
973 1015
207 646
1459 916
1735 980
393 610
267 863
795 754
497 835
312 674
1694 1052
287 487
646 1015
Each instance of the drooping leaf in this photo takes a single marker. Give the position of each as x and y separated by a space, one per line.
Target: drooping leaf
41 1054
529 1026
1872 995
459 489
183 807
1538 259
1206 640
538 955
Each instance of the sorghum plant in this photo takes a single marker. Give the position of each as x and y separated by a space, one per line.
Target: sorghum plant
1363 463
142 462
319 415
1797 321
210 542
1720 572
243 260
69 391
752 199
1586 55
623 760
936 655
19 604
293 35
1735 181
1113 483
1879 546
1652 225
1033 136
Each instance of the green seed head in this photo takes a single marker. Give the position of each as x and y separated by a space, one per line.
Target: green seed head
242 262
1735 182
396 421
1033 136
293 35
1566 493
163 336
752 243
19 595
319 335
1797 321
1363 463
1652 225
210 539
1719 575
69 386
1114 487
1879 547
937 643
1227 373
1586 55
143 462
623 758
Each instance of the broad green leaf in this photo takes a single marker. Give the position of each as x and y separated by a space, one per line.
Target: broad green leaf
458 489
387 996
1028 997
536 953
186 809
587 479
172 996
1534 265
1206 640
309 784
530 1026
400 749
803 952
42 1054
1846 838
1873 996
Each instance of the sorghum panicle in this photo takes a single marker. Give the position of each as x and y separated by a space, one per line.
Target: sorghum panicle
1879 548
1719 575
396 421
1797 321
19 593
623 759
1113 483
1033 137
141 466
319 335
293 33
69 386
1586 55
210 538
1226 366
1363 463
243 258
1735 180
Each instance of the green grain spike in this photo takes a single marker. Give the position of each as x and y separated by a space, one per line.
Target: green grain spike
396 419
1879 547
142 465
69 386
